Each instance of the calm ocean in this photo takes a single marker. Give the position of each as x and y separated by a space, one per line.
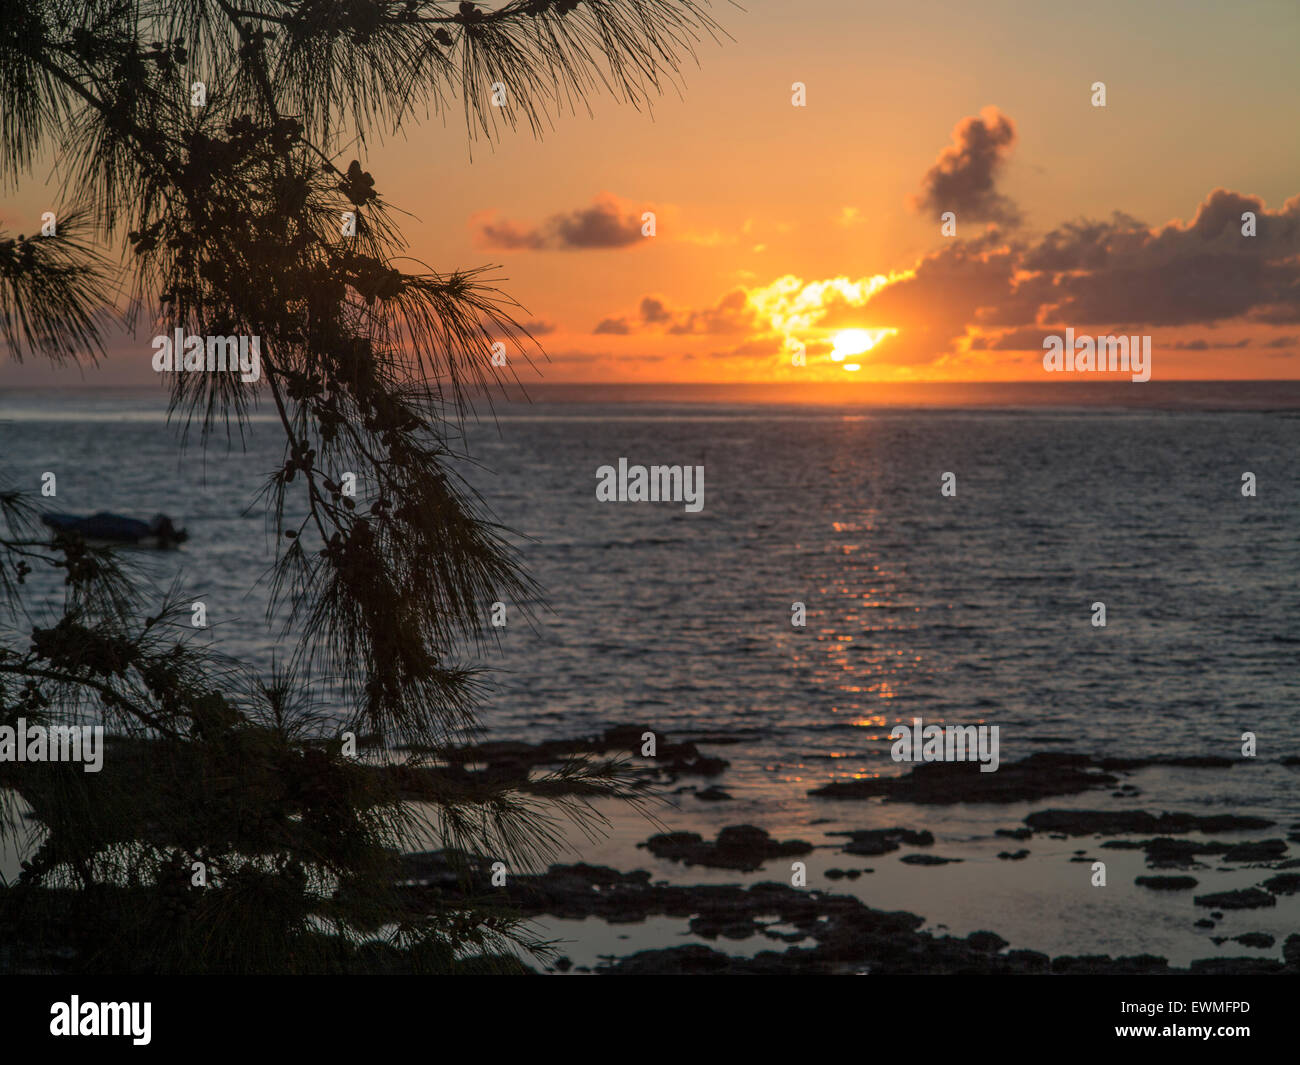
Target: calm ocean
971 609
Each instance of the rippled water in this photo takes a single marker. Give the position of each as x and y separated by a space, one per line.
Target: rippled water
968 609
965 609
973 609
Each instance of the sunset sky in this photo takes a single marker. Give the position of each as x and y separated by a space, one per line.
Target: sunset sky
820 225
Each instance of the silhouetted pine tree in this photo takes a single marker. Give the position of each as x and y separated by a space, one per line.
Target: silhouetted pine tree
231 213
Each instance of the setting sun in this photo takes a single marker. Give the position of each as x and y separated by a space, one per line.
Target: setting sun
856 342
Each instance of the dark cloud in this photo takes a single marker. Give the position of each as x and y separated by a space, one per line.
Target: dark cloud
607 223
654 311
603 225
507 236
731 314
993 293
963 178
760 347
1086 245
1029 339
1108 276
1200 344
933 308
1198 272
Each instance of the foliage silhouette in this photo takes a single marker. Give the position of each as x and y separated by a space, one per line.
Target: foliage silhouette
226 216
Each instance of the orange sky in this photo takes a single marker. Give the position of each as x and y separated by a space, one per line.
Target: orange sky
778 226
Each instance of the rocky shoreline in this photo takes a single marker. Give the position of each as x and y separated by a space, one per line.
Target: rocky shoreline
819 931
842 934
812 929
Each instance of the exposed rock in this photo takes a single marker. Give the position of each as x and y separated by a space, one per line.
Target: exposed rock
1014 833
1235 966
1255 939
986 942
1283 883
1291 950
712 925
1166 853
1265 850
1029 961
1166 883
688 960
514 759
846 935
1039 776
926 859
869 842
1246 899
713 794
1013 856
743 847
1102 963
1119 822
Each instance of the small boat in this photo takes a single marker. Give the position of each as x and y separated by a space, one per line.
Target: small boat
115 529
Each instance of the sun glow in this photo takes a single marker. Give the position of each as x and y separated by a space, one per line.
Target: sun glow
797 309
792 305
856 342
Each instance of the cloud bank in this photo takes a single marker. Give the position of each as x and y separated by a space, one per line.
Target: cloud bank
608 223
1000 292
